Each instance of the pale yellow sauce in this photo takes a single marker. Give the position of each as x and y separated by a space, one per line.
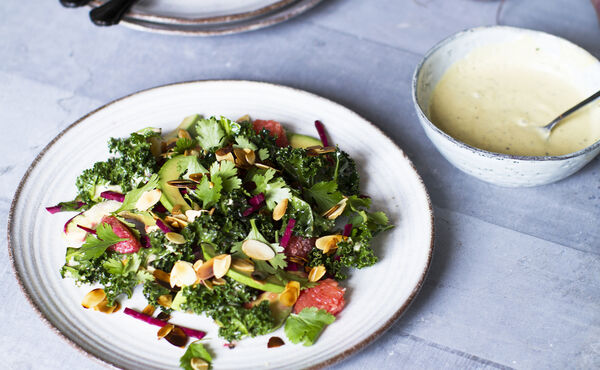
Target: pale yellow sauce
496 98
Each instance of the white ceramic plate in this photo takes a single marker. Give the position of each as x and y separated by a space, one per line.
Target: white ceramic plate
210 17
376 296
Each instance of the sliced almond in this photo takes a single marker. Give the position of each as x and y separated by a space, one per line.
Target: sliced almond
263 166
197 363
105 308
316 273
196 176
197 264
93 298
250 157
176 209
148 199
183 274
175 238
205 271
224 154
162 276
216 281
164 331
258 250
192 214
327 243
244 118
314 151
165 300
183 134
221 265
149 310
280 209
290 294
212 210
336 211
208 284
177 337
177 221
240 157
242 265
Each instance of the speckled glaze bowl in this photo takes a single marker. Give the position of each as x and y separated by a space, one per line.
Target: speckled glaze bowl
502 169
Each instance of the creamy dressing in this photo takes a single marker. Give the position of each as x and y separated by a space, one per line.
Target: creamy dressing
497 97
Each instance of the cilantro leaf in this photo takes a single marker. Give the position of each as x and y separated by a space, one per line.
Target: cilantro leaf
195 350
209 192
275 190
210 133
243 143
94 247
325 194
228 173
183 144
188 165
307 325
134 195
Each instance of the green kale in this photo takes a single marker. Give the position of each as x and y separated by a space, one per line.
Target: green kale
152 290
167 253
301 168
226 305
346 174
133 164
274 189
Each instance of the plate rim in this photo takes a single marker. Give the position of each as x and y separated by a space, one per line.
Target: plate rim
285 13
235 17
328 362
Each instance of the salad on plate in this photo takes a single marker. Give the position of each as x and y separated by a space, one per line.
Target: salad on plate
236 220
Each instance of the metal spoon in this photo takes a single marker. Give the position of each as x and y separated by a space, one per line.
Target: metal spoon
111 12
73 3
547 130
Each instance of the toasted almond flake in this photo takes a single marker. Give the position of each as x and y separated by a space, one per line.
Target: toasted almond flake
211 184
177 221
263 166
290 294
249 156
93 298
216 281
314 151
240 157
244 118
165 300
192 214
196 176
164 331
162 276
105 308
163 316
183 134
208 284
280 209
298 260
198 364
212 210
149 310
197 264
224 154
175 238
176 209
177 337
336 211
275 342
242 265
176 225
148 199
221 265
327 243
316 273
258 250
183 274
181 217
205 271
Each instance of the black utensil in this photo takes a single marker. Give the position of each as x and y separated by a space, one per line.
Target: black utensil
74 3
111 12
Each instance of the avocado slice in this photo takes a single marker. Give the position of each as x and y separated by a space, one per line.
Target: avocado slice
271 284
303 141
187 124
172 170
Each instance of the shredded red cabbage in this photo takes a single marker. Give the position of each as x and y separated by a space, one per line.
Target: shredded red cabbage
113 195
65 207
321 130
158 207
69 221
161 225
87 229
54 209
292 266
347 230
153 321
287 234
257 199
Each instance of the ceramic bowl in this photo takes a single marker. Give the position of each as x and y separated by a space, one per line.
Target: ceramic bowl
503 169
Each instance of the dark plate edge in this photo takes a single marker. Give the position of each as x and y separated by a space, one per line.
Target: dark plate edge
347 353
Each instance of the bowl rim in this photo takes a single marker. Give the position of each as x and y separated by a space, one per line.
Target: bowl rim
482 152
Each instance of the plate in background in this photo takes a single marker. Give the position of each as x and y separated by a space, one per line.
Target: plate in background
376 296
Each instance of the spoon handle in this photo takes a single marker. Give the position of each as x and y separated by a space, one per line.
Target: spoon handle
111 12
73 3
571 110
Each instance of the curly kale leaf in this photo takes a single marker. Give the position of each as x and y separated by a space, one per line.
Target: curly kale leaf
225 304
167 253
152 290
133 164
346 174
